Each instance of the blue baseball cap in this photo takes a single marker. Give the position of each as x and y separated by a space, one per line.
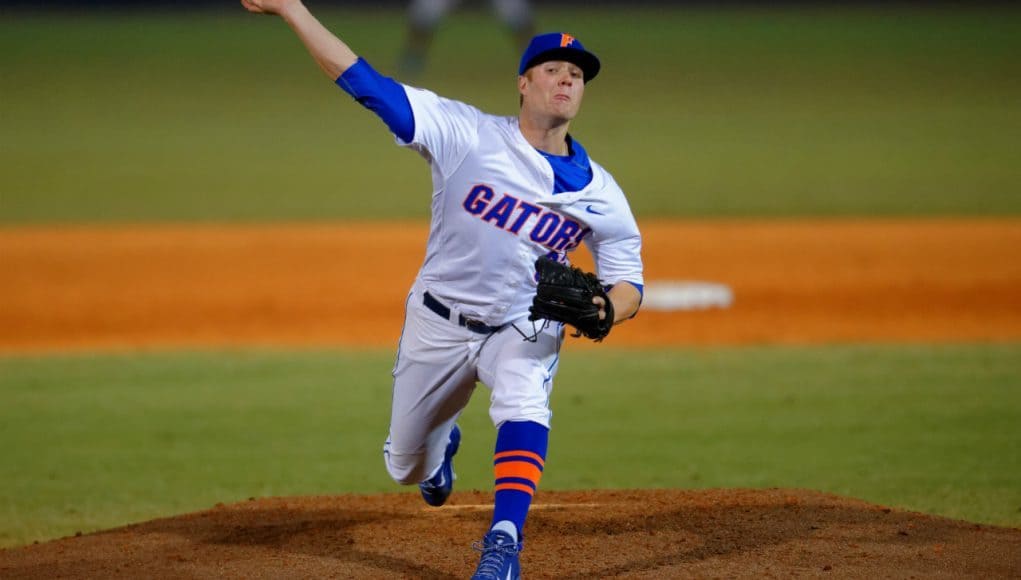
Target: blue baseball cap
559 46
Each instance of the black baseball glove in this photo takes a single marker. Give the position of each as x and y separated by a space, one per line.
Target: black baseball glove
565 294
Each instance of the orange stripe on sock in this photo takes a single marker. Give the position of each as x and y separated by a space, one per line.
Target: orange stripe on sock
516 487
519 469
527 454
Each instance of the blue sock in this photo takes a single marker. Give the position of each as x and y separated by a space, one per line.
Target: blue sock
517 465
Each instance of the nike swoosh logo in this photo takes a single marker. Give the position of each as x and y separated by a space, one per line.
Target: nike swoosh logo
589 209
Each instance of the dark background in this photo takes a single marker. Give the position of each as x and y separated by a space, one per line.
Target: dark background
137 4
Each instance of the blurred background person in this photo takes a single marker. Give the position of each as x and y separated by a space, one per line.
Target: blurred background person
425 16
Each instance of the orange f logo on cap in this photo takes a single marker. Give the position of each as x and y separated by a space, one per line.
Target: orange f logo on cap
566 40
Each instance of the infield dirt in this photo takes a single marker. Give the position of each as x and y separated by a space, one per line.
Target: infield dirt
345 284
123 288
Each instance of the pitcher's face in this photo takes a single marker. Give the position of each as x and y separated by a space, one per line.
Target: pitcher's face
554 88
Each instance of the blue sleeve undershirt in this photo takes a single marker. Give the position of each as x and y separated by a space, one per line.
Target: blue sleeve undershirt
381 95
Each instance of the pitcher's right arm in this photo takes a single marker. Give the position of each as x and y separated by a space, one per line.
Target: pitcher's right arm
329 52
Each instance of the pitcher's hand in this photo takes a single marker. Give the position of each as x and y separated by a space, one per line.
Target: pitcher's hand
269 6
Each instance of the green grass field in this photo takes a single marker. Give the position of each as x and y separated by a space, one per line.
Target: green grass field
707 112
698 113
96 441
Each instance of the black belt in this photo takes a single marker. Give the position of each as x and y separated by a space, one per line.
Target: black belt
444 311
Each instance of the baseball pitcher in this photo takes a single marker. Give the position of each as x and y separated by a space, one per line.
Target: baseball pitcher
511 197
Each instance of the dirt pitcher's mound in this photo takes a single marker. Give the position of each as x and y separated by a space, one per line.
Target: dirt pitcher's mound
609 534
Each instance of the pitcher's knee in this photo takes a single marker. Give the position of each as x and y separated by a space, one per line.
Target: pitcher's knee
406 468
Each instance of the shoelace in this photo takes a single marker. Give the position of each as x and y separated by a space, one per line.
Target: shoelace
492 557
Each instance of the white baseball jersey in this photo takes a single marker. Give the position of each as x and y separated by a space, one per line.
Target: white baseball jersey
494 213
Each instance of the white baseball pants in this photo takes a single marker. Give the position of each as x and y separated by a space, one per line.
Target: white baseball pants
438 365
